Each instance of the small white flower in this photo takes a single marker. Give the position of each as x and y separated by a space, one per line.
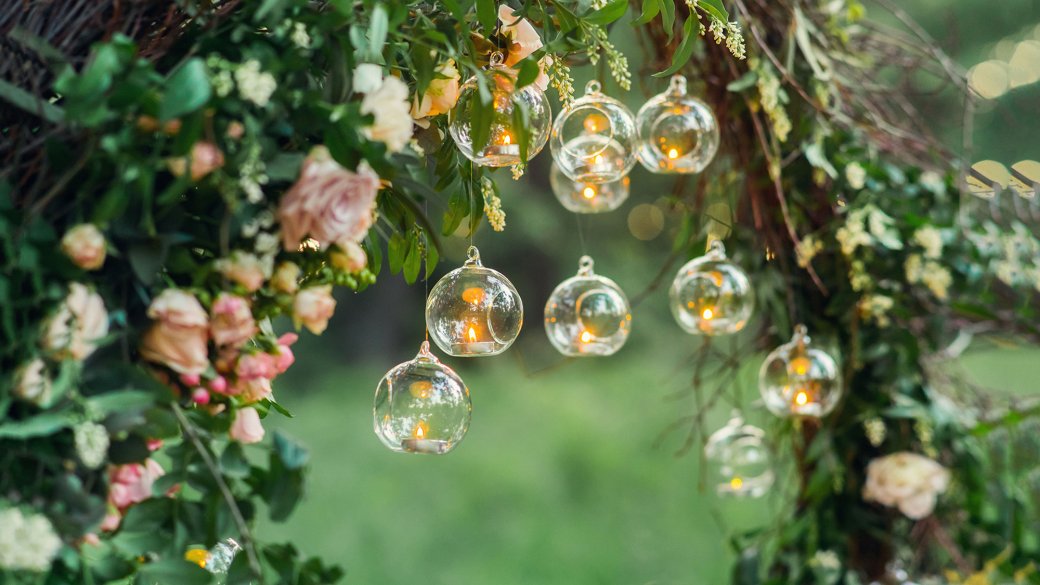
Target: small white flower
299 36
855 175
807 249
222 83
938 279
826 559
91 441
933 181
249 186
875 430
914 268
876 308
255 85
27 542
367 77
929 238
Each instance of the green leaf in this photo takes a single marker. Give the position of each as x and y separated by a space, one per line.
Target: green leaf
651 8
396 249
187 90
483 113
487 15
146 259
668 16
745 81
292 454
233 462
412 262
613 11
432 257
122 400
714 8
683 52
173 572
37 426
529 71
20 98
377 30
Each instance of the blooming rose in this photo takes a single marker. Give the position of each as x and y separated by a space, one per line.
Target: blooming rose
178 335
328 202
313 307
84 244
907 481
285 356
129 484
256 365
352 258
32 384
203 159
246 427
389 106
244 268
286 278
231 322
79 323
523 36
367 77
440 95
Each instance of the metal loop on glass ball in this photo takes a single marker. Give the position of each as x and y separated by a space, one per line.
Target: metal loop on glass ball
678 133
579 197
593 138
503 144
739 458
496 59
797 379
587 314
473 310
421 406
711 295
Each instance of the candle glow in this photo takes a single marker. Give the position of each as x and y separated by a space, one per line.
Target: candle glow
673 153
801 398
471 334
588 192
707 314
473 295
585 337
420 430
736 483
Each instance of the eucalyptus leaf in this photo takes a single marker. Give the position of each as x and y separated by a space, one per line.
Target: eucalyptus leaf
187 90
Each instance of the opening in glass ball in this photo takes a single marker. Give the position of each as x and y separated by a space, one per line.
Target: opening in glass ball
421 406
580 197
797 379
474 311
711 295
593 138
587 315
677 132
503 144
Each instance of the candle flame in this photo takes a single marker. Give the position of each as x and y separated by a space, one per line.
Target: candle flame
420 430
673 153
801 398
598 159
589 192
472 334
586 337
507 139
736 483
800 365
707 314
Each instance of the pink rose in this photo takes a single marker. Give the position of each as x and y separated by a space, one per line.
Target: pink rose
179 332
244 268
328 202
232 321
256 365
246 428
285 357
119 495
203 159
132 483
313 307
84 244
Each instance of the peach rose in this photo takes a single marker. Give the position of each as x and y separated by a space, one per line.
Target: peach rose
350 257
328 202
246 427
179 332
523 36
74 330
286 278
203 159
231 321
244 268
389 107
313 307
84 244
442 93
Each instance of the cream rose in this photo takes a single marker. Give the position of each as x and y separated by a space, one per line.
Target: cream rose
31 383
74 330
231 321
84 244
244 268
313 307
178 335
350 257
328 202
441 95
246 427
906 481
286 278
389 106
367 77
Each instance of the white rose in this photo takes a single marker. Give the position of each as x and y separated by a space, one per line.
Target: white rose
32 383
389 106
367 77
84 244
74 330
907 481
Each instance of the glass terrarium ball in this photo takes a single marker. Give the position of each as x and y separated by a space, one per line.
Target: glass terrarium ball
678 133
421 406
503 144
594 138
473 310
739 459
711 295
800 380
587 315
580 197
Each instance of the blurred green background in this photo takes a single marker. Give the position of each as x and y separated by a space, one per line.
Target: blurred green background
567 475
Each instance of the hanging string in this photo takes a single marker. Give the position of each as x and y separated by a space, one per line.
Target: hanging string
581 234
426 268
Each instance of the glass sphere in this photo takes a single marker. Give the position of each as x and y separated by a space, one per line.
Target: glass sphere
587 314
799 380
678 133
503 146
579 197
594 138
421 406
711 295
474 311
739 458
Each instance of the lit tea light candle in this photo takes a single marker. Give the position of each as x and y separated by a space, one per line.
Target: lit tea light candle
504 146
673 153
474 340
588 192
597 164
420 443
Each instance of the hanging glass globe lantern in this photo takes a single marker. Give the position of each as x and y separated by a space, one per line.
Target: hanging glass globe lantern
587 314
474 311
421 406
579 197
739 459
711 295
594 138
678 133
509 103
800 380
